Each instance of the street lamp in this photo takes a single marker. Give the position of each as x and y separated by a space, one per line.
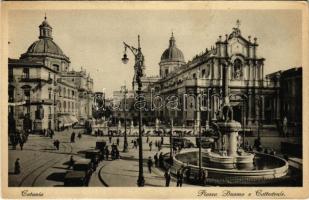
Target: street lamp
138 73
124 90
171 142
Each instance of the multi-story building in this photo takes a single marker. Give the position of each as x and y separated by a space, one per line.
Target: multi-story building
290 82
84 85
40 96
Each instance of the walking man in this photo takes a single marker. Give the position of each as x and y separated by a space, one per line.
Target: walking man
156 159
167 176
179 177
150 145
150 164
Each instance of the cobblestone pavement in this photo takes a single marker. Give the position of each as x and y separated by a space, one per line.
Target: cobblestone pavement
43 165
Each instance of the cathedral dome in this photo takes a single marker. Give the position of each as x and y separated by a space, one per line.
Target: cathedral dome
172 53
45 46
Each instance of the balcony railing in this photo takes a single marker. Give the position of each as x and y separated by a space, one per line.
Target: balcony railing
27 78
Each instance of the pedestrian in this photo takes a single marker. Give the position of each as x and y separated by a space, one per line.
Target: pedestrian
57 144
135 144
156 159
113 153
162 140
150 145
147 139
167 176
73 137
179 177
79 135
17 167
21 144
117 141
117 153
71 162
188 174
106 153
150 164
161 160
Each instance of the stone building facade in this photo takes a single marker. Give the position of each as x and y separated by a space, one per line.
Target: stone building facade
40 95
252 95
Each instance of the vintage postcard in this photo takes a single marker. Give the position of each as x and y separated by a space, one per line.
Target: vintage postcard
156 100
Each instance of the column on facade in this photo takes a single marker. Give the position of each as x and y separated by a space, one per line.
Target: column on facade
249 108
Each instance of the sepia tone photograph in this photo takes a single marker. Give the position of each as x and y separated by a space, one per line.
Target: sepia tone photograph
194 97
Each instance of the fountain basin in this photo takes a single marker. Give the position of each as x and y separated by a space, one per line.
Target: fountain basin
265 167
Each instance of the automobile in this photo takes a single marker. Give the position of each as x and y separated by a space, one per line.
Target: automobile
82 164
100 144
207 142
182 142
94 155
75 178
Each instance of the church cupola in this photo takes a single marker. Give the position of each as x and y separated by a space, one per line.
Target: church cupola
45 29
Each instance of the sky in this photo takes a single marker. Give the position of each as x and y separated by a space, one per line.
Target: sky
93 39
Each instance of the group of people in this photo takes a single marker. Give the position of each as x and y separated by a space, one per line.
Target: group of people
48 133
19 138
114 153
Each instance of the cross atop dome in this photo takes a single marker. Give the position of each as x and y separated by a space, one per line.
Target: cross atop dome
172 40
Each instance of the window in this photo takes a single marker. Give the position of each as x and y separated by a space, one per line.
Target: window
194 76
64 106
49 94
11 93
26 73
10 74
27 94
56 67
237 69
203 73
166 72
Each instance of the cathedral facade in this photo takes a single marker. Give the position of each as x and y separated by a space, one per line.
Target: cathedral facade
196 86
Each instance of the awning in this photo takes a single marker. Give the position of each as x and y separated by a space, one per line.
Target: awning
65 121
73 119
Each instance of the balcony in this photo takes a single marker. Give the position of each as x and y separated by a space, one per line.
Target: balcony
27 78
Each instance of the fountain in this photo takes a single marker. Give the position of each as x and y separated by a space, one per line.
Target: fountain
228 161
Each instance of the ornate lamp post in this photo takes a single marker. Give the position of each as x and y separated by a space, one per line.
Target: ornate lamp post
124 90
171 142
138 68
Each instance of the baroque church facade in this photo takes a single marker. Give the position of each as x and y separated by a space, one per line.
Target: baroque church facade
197 85
43 92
